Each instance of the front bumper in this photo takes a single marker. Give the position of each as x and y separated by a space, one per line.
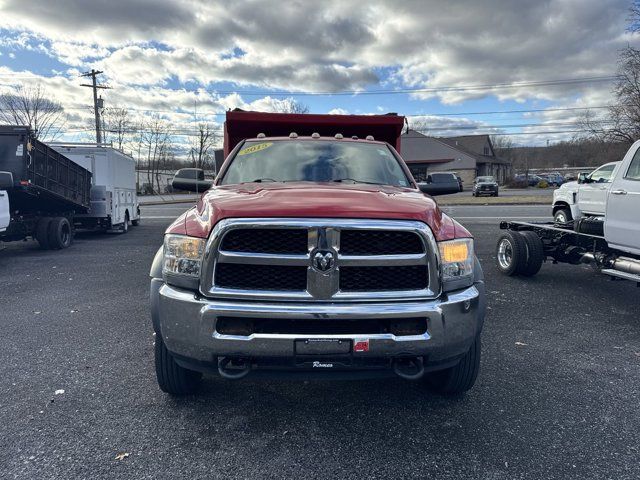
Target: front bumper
485 191
187 323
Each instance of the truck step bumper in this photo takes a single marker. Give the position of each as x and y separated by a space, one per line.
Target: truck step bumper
188 325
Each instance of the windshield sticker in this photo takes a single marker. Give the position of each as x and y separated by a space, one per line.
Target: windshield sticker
383 152
254 148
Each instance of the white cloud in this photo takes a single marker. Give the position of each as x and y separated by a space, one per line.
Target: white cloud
155 52
338 111
427 43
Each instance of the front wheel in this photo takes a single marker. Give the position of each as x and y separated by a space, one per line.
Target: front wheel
562 215
172 378
460 378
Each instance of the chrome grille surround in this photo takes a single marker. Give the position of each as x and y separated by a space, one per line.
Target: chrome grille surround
321 286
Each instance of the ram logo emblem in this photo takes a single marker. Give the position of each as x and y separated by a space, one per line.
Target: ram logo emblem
323 260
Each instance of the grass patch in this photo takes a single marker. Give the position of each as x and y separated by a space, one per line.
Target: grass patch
515 200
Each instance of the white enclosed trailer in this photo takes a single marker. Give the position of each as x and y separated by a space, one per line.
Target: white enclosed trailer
114 201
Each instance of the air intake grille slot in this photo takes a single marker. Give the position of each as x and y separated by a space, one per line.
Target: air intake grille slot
261 277
266 240
248 326
379 242
363 279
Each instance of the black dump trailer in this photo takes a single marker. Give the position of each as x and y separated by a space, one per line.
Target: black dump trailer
45 189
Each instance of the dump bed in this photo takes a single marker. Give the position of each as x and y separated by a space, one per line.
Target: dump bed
43 179
240 125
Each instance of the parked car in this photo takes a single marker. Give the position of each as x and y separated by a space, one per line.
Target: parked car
440 183
534 180
554 179
251 279
485 185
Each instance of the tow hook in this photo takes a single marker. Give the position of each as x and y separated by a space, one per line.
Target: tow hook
409 368
233 368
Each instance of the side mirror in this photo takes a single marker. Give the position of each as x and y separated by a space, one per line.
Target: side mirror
191 180
6 180
582 177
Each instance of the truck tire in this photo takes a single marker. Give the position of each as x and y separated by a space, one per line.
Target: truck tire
590 226
172 378
535 254
60 233
562 215
135 222
511 253
42 233
460 378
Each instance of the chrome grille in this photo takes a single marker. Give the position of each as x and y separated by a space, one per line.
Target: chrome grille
379 242
381 279
343 260
266 240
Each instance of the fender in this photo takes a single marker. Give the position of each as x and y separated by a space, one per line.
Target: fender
156 265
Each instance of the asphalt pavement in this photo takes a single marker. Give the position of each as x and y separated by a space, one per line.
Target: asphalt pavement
557 396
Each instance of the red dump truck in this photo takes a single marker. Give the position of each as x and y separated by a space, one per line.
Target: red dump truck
315 254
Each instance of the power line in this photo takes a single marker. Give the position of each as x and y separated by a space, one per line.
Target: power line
410 115
463 88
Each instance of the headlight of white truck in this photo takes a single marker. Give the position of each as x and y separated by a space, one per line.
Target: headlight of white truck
182 260
456 263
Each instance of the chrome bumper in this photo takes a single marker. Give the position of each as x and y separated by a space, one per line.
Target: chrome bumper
187 324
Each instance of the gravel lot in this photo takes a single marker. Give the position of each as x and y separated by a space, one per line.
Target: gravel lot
557 396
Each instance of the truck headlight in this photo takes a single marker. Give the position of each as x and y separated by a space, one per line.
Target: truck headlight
182 260
456 263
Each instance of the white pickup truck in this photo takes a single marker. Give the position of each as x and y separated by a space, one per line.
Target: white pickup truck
523 247
586 197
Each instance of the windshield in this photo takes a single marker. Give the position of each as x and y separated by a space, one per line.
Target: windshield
443 177
315 161
485 180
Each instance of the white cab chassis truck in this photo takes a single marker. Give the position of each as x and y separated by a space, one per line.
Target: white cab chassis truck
585 198
114 200
615 249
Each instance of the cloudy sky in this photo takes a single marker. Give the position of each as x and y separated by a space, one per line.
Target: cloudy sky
450 66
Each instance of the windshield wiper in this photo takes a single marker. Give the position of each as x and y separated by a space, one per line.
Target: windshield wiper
340 180
260 180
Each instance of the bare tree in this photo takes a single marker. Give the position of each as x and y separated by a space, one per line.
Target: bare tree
116 125
293 106
155 142
622 122
33 107
202 146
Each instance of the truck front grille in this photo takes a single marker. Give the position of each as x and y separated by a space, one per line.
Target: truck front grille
320 259
266 240
380 279
261 277
379 242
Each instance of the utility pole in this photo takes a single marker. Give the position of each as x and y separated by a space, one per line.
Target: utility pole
97 103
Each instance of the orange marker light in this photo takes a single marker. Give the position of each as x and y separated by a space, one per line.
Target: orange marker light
454 252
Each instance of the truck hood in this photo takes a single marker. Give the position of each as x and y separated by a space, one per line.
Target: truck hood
569 186
315 200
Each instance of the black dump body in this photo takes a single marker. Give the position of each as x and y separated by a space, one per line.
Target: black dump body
43 179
